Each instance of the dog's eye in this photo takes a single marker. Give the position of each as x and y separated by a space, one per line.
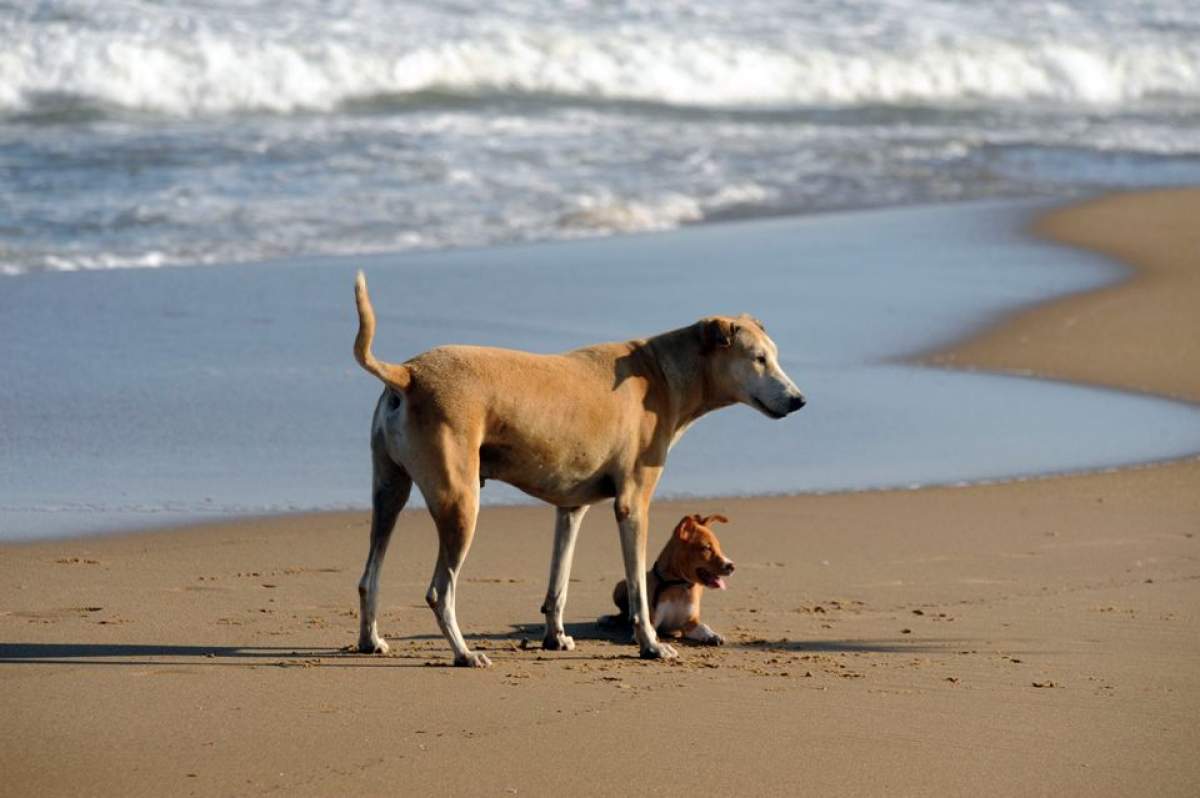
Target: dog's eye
761 360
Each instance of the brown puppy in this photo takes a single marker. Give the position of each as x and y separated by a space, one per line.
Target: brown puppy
691 561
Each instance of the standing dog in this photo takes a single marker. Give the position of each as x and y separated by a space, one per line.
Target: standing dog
572 429
691 561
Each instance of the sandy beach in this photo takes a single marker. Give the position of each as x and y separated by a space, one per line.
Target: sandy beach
1037 637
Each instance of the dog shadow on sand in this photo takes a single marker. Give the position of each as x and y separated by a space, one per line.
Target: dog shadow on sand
520 637
619 632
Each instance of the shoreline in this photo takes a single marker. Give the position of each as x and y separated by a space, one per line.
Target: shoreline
1056 339
1034 637
900 293
221 521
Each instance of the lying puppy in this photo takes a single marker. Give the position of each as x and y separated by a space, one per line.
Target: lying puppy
691 561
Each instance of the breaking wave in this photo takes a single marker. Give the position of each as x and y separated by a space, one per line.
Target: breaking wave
199 72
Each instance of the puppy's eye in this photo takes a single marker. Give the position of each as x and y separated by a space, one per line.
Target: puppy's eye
761 360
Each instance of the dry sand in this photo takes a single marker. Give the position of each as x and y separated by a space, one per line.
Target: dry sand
1031 638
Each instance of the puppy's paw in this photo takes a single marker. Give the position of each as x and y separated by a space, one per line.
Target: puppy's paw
659 650
704 636
369 646
558 642
472 659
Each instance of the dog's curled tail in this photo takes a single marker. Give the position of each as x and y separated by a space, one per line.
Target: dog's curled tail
396 376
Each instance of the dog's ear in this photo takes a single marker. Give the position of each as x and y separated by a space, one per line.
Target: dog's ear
685 527
716 518
755 321
717 334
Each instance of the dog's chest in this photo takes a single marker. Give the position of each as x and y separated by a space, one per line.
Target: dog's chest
673 611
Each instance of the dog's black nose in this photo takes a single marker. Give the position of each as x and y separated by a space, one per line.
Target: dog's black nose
729 567
795 403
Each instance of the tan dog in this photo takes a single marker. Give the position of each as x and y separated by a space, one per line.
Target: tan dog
572 429
691 561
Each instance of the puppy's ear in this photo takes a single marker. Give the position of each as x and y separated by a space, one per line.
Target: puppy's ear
716 334
716 518
685 527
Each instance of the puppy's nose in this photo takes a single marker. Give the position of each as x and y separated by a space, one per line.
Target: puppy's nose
795 403
729 567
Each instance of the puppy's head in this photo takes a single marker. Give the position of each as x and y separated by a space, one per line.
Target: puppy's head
743 365
696 554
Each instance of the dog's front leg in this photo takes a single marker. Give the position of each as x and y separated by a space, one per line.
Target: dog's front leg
566 529
632 518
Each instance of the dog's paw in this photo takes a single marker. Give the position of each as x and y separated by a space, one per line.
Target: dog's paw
714 640
368 646
472 659
659 650
558 642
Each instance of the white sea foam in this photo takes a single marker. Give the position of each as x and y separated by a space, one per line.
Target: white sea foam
204 64
605 213
104 260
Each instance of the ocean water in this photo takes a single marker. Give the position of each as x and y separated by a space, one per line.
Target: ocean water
191 132
462 151
136 398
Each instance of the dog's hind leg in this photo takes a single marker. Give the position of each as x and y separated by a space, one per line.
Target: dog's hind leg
455 513
392 486
566 529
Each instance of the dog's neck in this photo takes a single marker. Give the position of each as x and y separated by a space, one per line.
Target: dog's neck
662 577
679 357
665 572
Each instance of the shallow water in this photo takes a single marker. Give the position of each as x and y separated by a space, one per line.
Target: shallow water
137 398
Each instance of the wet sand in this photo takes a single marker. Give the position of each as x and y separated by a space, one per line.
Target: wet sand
1034 637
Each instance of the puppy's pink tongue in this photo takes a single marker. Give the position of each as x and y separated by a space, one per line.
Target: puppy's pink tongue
720 583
